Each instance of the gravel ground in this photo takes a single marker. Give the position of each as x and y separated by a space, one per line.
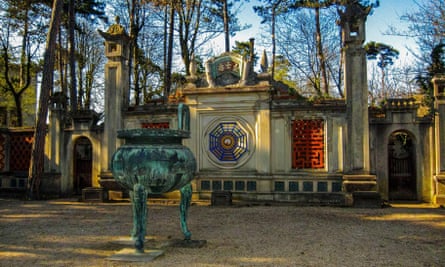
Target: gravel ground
71 233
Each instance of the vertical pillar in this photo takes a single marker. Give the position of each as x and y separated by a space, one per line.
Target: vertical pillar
56 179
357 163
116 90
54 136
439 138
263 150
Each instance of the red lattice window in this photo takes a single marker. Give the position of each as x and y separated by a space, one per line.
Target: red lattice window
2 152
308 144
155 125
20 155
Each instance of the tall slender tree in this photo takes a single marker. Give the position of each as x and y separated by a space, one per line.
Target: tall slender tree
385 55
38 153
269 12
227 11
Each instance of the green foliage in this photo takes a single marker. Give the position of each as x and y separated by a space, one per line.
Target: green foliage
243 48
436 67
282 66
383 53
437 60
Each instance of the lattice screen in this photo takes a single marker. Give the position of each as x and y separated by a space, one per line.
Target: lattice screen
155 125
308 144
20 155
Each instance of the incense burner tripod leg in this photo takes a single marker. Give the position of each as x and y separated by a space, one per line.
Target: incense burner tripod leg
186 197
139 203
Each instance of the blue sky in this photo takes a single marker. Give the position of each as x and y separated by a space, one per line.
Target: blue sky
387 14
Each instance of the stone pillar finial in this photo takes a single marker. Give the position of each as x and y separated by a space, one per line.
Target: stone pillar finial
264 64
116 28
439 85
352 21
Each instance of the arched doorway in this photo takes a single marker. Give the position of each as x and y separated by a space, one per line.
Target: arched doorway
402 180
83 163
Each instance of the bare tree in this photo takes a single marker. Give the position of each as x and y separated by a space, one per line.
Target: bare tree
18 69
297 42
90 61
426 24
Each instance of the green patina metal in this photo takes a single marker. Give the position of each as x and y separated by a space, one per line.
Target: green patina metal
154 161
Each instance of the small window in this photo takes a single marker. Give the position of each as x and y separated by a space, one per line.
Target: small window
240 185
279 186
336 187
294 187
251 186
308 187
441 89
205 185
228 185
322 186
216 185
112 48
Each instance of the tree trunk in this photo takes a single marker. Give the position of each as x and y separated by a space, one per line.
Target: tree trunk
38 152
320 54
273 41
226 25
18 107
384 92
168 70
165 48
73 86
61 67
340 68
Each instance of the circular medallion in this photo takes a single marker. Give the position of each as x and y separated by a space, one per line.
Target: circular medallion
228 141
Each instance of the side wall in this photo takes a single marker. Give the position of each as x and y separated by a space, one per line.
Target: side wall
421 131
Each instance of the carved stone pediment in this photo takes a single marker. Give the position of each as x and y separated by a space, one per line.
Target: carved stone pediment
226 69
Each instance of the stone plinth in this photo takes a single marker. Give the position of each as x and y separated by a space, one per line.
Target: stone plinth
366 199
221 198
353 183
359 182
440 189
93 194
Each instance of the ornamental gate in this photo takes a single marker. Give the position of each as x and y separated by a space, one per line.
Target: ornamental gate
401 167
83 164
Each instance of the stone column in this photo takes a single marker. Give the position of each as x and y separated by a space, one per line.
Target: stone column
439 142
357 163
116 91
56 180
263 151
55 134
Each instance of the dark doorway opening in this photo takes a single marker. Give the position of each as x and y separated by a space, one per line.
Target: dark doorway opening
402 184
83 165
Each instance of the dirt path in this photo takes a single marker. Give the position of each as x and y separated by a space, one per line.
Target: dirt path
70 233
